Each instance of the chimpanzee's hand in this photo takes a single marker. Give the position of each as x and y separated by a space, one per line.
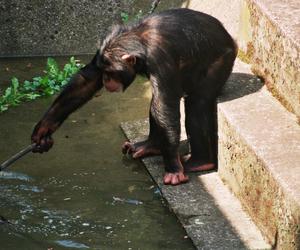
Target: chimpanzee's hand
41 135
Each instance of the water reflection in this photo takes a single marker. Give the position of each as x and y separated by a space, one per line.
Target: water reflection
14 176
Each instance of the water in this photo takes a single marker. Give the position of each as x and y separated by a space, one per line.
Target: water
83 194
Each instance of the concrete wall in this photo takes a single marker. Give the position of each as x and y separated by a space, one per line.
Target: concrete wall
62 27
228 12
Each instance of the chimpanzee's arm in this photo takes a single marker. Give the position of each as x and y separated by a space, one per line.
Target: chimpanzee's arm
165 109
79 90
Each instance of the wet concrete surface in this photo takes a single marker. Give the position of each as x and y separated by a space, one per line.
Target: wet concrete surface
83 193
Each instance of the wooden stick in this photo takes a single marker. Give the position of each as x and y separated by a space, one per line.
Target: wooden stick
17 156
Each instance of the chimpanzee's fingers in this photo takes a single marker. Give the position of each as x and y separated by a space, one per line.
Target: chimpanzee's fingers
36 149
35 138
49 143
44 145
127 148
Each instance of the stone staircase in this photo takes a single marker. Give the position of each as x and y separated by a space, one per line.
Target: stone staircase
258 124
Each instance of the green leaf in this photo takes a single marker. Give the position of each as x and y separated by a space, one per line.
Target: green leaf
28 86
52 67
15 83
7 93
32 96
44 81
124 17
64 82
3 108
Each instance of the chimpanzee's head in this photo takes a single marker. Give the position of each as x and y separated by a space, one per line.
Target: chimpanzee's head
118 69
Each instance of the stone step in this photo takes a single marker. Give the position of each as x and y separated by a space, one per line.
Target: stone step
259 156
270 37
212 217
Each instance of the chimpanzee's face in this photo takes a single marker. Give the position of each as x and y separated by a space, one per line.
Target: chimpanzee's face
118 73
112 81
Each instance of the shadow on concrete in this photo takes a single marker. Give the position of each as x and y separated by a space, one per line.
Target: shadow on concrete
239 85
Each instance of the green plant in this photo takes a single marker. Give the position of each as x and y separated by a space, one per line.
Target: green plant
46 85
126 17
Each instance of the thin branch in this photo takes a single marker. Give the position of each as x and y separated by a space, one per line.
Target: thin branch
154 6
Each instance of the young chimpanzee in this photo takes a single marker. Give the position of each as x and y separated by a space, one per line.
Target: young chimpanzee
184 53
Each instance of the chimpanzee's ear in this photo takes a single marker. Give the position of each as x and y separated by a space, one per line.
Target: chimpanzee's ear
130 59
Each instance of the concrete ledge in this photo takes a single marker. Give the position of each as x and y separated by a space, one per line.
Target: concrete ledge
259 158
270 36
211 215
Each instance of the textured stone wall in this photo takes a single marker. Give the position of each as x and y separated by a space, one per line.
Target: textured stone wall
54 27
64 27
273 47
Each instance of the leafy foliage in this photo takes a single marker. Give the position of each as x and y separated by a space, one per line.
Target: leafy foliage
47 85
127 18
124 17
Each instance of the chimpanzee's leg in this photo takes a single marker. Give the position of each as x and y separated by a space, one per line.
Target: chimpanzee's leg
148 147
167 117
163 139
200 127
200 107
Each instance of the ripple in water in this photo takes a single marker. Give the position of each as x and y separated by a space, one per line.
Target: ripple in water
14 176
71 244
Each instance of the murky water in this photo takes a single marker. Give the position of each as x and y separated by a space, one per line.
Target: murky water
83 194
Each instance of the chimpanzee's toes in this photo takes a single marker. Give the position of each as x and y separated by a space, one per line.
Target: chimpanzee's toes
175 178
139 153
191 165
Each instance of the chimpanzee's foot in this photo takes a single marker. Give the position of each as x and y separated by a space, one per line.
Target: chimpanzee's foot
175 178
140 149
191 165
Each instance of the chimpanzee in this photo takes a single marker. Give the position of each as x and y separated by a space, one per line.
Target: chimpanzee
184 53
